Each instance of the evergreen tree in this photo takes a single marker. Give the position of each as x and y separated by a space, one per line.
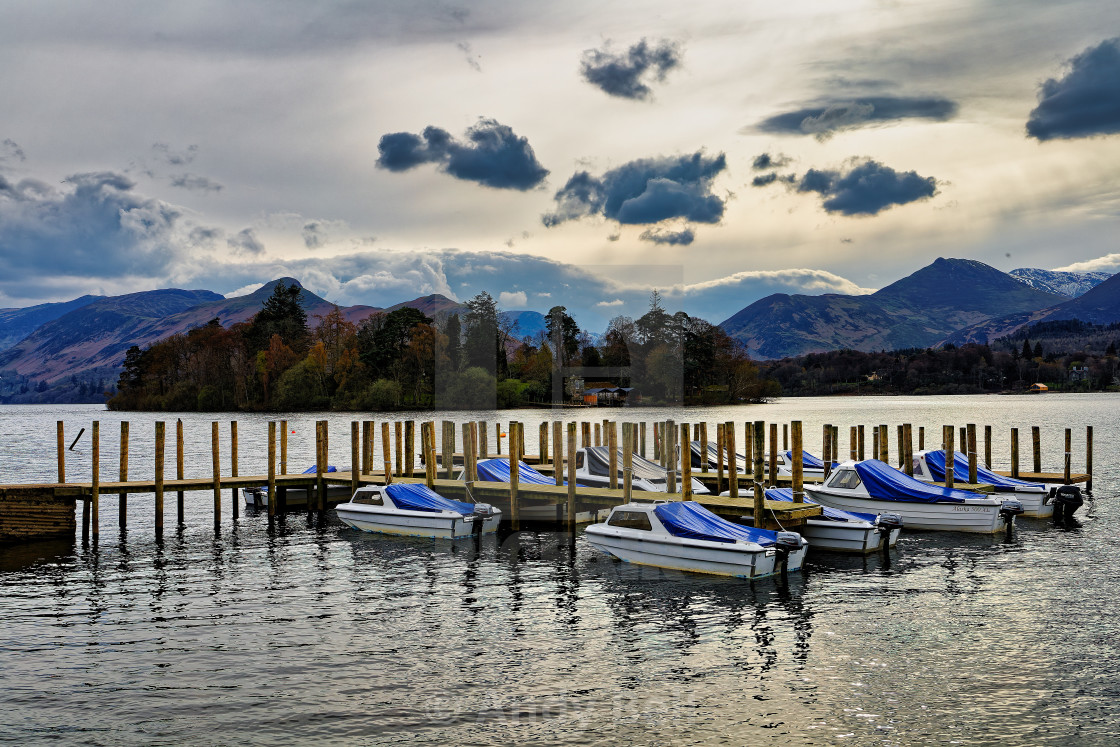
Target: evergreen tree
559 324
281 315
1038 350
1026 354
454 333
481 347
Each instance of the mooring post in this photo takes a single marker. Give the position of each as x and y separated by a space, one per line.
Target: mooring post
429 447
571 477
921 437
95 489
785 436
1036 439
466 428
1015 453
900 432
180 503
1089 456
835 445
852 453
366 448
612 447
398 448
558 453
964 438
799 463
474 449
61 428
598 437
542 443
1068 457
884 444
971 431
773 466
514 476
271 472
908 457
950 454
669 453
874 442
732 461
282 491
498 438
988 446
387 453
720 437
798 457
122 498
642 439
759 438
355 465
235 504
161 429
216 465
320 469
657 444
859 450
703 446
686 464
409 447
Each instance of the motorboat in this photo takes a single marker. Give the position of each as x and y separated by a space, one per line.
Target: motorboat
845 531
258 496
710 462
929 466
497 470
593 471
812 467
416 510
685 536
871 486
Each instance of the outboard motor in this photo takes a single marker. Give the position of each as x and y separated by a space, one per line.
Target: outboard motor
887 523
784 544
482 511
1067 499
1009 509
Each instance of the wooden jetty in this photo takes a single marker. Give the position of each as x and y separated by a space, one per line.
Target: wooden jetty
49 510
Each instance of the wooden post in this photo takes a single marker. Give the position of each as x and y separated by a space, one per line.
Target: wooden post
732 462
642 439
398 450
899 431
321 469
612 448
759 491
921 437
282 491
367 455
161 430
1036 438
95 488
657 456
497 439
542 443
748 451
473 472
271 471
686 464
410 447
514 475
122 498
1068 456
971 432
950 453
964 438
571 476
627 461
704 447
429 446
235 504
884 444
1015 453
558 452
720 436
668 453
466 428
598 436
988 446
180 508
387 453
355 464
908 456
785 437
61 428
835 445
773 466
799 457
447 446
874 442
859 450
586 435
852 453
798 460
216 464
483 443
1089 456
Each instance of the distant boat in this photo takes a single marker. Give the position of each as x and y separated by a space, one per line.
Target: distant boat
685 536
417 511
811 466
871 486
593 470
929 466
258 496
497 470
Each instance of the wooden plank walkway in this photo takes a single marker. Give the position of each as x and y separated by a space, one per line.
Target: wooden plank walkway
1053 477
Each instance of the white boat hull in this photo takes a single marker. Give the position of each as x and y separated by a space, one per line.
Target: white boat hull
295 496
698 556
441 525
1035 504
840 536
559 512
982 518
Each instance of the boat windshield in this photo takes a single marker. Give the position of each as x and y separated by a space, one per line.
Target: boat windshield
845 478
630 520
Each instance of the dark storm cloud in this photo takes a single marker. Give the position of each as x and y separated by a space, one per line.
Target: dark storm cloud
314 234
866 188
245 242
492 155
672 238
765 161
96 226
645 191
202 236
824 118
626 74
195 183
1084 103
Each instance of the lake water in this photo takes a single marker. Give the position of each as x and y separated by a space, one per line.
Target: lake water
318 633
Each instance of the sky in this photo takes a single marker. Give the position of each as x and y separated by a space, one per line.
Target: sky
577 153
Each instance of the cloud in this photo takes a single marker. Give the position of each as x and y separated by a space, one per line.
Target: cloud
823 119
622 74
609 304
673 238
492 155
97 226
1107 263
195 183
472 58
866 187
317 233
1084 103
645 191
513 299
173 157
245 242
10 151
765 161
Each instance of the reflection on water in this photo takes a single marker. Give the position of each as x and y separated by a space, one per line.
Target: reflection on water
312 631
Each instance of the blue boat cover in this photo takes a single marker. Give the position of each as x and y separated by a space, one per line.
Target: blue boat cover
885 483
497 470
935 460
690 519
311 470
832 514
807 460
416 497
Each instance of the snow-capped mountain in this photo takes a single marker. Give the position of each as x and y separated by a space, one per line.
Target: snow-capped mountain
1069 284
